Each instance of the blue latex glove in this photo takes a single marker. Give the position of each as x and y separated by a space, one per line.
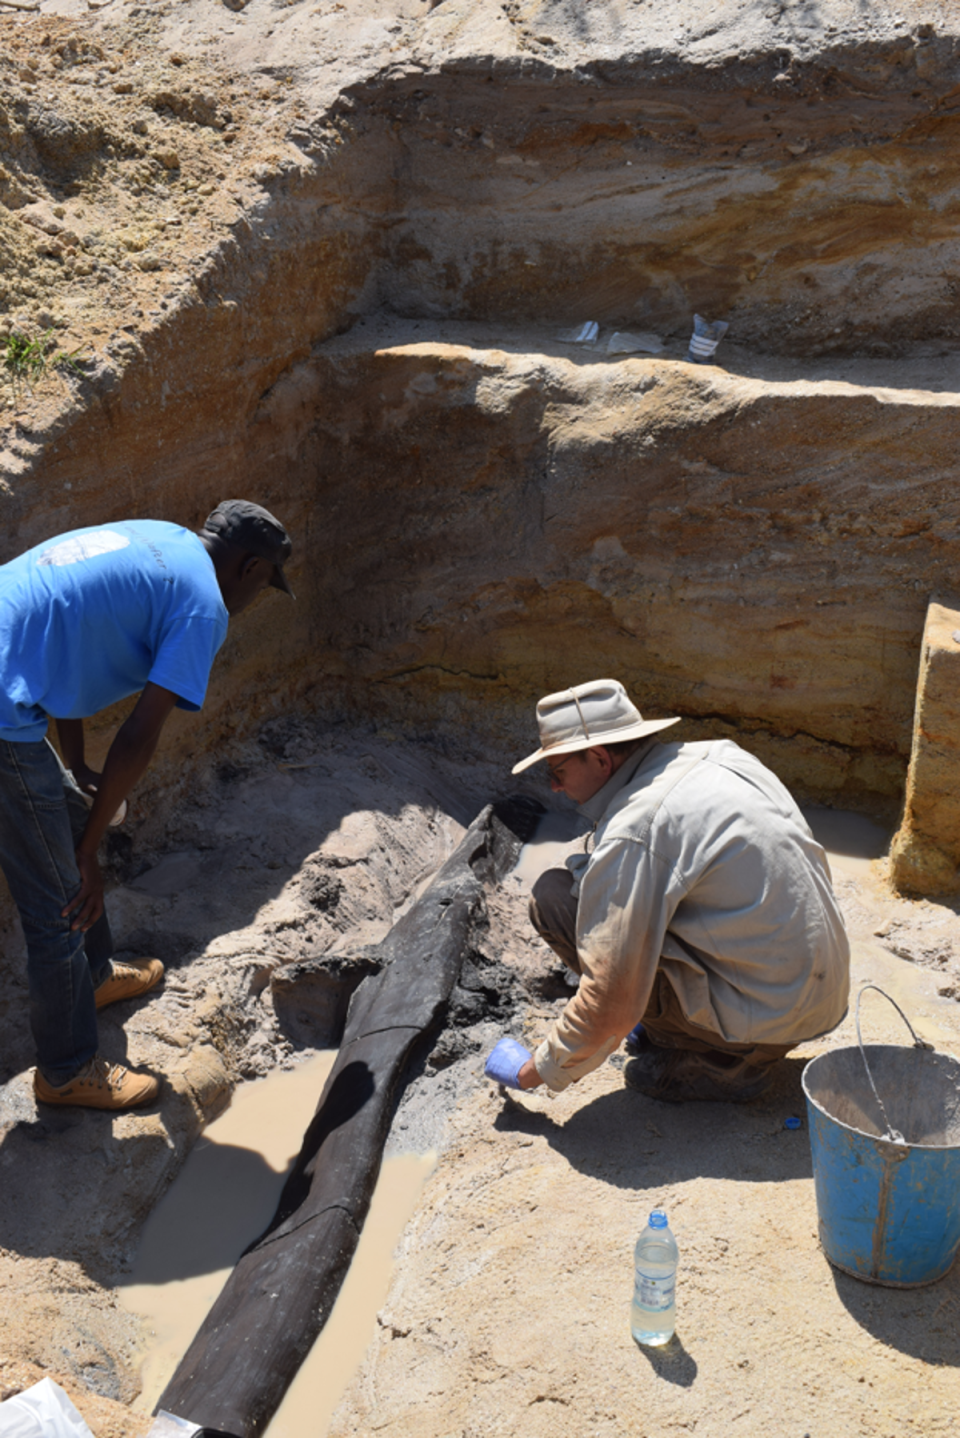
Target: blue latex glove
506 1061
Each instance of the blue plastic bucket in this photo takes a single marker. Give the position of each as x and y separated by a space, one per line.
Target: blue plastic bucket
885 1135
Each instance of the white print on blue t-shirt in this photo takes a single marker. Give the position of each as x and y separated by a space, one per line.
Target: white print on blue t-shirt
83 546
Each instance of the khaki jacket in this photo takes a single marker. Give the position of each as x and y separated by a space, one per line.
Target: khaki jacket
703 866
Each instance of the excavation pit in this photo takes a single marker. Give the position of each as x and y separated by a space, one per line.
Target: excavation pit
323 256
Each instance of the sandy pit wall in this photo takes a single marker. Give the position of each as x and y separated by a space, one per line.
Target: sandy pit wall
463 547
811 204
926 849
502 523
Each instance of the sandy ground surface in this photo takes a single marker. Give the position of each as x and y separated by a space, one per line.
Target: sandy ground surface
511 1298
510 1308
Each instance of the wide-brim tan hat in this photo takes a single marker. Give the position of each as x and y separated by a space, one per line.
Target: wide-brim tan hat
586 716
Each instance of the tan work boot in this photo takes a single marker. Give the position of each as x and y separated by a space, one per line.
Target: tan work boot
99 1084
128 981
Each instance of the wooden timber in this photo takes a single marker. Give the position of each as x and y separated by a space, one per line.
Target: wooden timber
283 1288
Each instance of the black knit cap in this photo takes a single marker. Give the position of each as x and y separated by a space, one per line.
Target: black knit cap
254 529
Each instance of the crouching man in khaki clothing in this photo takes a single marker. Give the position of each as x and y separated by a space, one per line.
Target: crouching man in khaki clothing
704 909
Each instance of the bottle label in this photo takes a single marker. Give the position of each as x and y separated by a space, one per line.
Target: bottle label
655 1294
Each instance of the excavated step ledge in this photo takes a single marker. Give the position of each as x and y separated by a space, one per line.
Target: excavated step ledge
504 512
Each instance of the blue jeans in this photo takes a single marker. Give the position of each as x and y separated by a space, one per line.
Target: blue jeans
42 816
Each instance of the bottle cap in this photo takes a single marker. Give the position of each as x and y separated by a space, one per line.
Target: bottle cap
791 1123
658 1219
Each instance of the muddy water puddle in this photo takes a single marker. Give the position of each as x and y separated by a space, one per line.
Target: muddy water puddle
332 1361
559 833
228 1189
223 1197
852 841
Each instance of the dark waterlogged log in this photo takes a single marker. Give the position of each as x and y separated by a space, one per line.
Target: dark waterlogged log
282 1290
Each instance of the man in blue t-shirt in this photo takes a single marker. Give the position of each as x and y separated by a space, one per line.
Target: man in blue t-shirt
86 620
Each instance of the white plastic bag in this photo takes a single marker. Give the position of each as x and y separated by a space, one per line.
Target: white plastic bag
584 334
168 1425
43 1411
705 338
625 343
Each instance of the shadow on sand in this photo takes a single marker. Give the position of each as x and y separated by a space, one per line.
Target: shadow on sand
631 1141
671 1362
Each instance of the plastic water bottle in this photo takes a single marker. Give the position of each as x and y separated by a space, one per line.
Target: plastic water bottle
653 1314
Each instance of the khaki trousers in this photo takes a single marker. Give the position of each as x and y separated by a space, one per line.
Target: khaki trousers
553 913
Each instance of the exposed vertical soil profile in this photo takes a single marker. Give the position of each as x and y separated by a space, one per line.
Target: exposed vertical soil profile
323 254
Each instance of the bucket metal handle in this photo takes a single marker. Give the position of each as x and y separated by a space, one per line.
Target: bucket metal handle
892 1134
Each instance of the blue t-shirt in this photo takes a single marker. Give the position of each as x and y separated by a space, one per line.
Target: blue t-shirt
91 616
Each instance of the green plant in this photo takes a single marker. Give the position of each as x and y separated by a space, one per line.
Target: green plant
25 358
29 359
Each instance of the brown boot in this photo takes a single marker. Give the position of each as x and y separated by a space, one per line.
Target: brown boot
128 981
99 1084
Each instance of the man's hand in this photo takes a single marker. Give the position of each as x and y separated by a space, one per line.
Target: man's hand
87 779
510 1064
87 905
